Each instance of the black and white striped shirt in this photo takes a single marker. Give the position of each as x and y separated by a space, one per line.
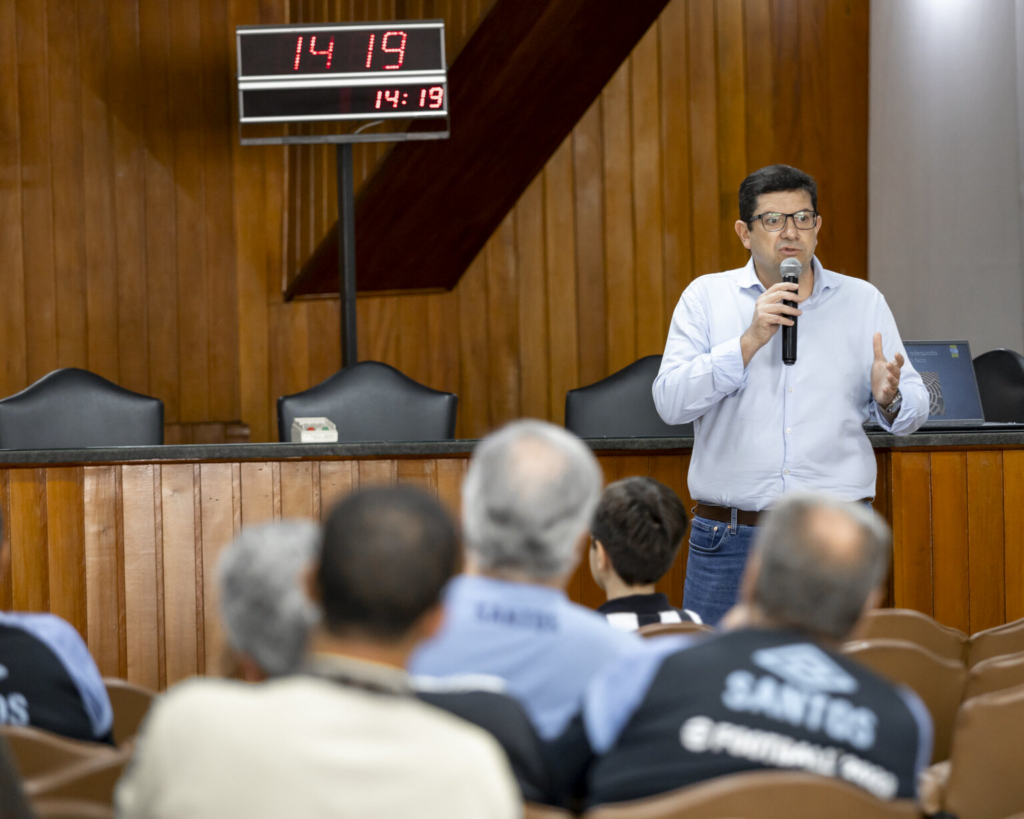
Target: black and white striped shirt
630 613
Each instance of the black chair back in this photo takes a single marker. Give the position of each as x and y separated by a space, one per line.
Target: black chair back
1000 375
621 406
72 409
371 401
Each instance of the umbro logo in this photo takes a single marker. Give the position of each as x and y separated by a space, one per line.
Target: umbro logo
805 666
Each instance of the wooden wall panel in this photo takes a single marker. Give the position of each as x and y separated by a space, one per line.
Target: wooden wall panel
181 563
66 544
912 531
119 233
13 337
950 541
1013 538
128 553
6 577
220 515
141 241
639 201
143 593
985 534
956 518
27 533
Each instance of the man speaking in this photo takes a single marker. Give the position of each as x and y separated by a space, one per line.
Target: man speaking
763 427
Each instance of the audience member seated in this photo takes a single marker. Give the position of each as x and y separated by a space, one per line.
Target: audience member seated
266 612
268 616
483 701
347 737
637 531
773 691
527 502
48 678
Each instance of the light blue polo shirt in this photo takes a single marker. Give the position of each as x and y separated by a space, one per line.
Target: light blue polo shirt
544 646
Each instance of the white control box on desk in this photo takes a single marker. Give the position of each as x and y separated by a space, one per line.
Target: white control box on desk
314 431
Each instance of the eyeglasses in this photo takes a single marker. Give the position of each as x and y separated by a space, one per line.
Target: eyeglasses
774 222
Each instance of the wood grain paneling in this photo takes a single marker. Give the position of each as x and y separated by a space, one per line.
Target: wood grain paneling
180 566
128 552
169 243
640 201
219 496
142 582
118 229
27 533
66 544
985 534
912 531
1013 528
951 591
7 579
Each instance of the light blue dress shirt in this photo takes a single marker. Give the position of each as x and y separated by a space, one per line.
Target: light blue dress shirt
544 646
768 429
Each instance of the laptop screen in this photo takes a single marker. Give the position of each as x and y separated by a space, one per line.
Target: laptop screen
948 373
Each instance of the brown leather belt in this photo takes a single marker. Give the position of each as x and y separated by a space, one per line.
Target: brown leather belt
723 514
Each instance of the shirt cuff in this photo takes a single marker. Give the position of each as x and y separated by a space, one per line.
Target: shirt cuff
906 420
727 366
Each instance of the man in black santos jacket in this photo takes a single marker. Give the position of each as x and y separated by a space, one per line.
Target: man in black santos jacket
48 678
772 692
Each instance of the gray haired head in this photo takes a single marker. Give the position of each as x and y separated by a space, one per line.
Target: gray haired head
530 493
819 559
266 612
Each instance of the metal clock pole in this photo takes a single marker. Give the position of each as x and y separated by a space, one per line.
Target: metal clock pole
347 254
285 82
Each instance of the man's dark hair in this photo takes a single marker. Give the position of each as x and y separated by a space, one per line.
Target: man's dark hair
641 523
385 557
772 179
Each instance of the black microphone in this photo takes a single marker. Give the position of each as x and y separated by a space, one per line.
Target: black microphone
790 271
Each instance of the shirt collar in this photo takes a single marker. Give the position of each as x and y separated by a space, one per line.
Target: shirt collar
476 585
823 279
348 669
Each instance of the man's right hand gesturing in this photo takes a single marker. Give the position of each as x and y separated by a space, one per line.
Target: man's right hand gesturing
769 314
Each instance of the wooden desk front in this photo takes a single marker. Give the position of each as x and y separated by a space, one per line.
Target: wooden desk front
124 543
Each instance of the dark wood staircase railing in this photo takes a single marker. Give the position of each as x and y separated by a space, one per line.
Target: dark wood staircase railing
518 87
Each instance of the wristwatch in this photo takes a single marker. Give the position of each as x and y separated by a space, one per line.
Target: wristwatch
897 402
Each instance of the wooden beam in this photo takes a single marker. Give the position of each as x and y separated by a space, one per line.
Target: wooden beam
521 83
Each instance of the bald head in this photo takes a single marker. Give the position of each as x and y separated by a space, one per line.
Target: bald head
816 563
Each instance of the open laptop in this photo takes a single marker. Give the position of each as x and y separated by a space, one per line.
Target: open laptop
947 369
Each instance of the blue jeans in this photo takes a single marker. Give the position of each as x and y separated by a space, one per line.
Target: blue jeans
718 556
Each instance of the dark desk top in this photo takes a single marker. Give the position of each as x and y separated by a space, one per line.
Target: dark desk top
991 439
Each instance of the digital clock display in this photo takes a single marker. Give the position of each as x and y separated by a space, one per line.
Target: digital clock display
341 73
398 47
343 102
